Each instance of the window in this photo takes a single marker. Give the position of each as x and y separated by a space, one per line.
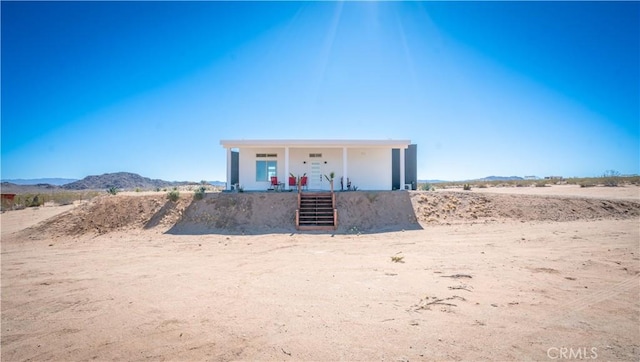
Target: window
315 155
265 170
262 155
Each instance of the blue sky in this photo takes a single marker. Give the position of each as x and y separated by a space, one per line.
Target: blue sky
483 88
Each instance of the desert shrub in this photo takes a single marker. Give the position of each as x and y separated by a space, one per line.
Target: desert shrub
199 194
397 259
65 198
466 187
6 205
372 196
611 178
112 190
173 195
610 182
34 201
482 186
541 184
137 189
69 197
587 184
28 200
426 187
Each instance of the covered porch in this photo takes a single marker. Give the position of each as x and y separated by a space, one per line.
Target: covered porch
365 164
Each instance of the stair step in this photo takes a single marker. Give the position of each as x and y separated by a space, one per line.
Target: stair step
316 211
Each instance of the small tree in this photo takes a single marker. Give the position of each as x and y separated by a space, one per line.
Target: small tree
330 178
299 181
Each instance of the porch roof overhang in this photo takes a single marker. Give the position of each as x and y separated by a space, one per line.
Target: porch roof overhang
316 143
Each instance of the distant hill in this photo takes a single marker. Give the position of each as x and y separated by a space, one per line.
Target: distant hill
488 178
430 181
121 180
12 188
40 181
500 178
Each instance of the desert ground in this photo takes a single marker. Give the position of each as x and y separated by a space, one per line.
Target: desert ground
489 274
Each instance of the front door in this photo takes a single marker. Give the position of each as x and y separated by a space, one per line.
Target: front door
316 181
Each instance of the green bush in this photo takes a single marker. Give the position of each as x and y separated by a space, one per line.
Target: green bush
173 195
466 187
199 194
426 187
36 201
112 190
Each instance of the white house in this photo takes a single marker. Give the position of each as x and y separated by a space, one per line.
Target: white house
366 164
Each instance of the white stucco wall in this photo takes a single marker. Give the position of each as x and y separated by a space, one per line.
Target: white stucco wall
369 168
247 167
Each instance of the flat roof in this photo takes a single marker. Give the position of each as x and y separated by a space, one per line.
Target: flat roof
299 143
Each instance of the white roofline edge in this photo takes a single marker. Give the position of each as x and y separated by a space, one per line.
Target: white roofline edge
314 143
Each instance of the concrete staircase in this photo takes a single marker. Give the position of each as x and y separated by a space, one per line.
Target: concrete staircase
316 211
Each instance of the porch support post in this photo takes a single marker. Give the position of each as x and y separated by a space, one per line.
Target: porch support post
286 166
402 150
345 173
229 168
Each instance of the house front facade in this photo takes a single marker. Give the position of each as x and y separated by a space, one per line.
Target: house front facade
365 164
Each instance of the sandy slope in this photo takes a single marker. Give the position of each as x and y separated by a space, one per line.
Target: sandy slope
13 221
523 289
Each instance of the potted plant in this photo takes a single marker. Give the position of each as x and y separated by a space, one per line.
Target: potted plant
330 179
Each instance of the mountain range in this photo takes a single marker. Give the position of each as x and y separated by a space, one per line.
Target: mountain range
37 181
120 180
128 180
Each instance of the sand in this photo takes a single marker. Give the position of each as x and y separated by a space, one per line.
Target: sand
626 192
502 288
